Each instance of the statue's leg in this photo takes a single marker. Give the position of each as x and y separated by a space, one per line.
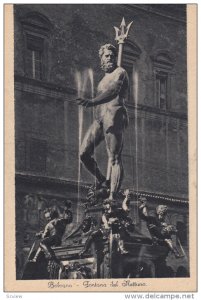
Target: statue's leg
46 248
94 236
121 246
114 143
172 248
109 170
49 252
91 140
34 259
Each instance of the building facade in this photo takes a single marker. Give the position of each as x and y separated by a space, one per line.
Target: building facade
56 59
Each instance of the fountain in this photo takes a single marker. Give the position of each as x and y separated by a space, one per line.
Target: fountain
107 234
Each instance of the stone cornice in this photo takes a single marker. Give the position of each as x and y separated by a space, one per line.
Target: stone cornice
23 177
151 10
156 111
42 87
161 197
66 94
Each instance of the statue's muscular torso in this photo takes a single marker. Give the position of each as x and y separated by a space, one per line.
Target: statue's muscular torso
117 83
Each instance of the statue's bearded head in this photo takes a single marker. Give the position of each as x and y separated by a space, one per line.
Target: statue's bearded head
161 210
108 56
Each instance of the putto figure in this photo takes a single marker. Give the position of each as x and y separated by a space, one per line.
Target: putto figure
160 231
53 232
114 219
111 119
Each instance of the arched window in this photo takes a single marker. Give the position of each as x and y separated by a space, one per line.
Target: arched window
163 64
131 54
36 29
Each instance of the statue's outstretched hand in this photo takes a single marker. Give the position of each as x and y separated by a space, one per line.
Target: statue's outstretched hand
84 102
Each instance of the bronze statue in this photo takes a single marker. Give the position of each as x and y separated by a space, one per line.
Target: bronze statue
111 119
114 219
53 232
160 231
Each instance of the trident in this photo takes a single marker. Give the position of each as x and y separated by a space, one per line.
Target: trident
121 36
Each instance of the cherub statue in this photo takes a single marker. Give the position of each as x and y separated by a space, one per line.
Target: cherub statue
157 226
53 232
113 218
